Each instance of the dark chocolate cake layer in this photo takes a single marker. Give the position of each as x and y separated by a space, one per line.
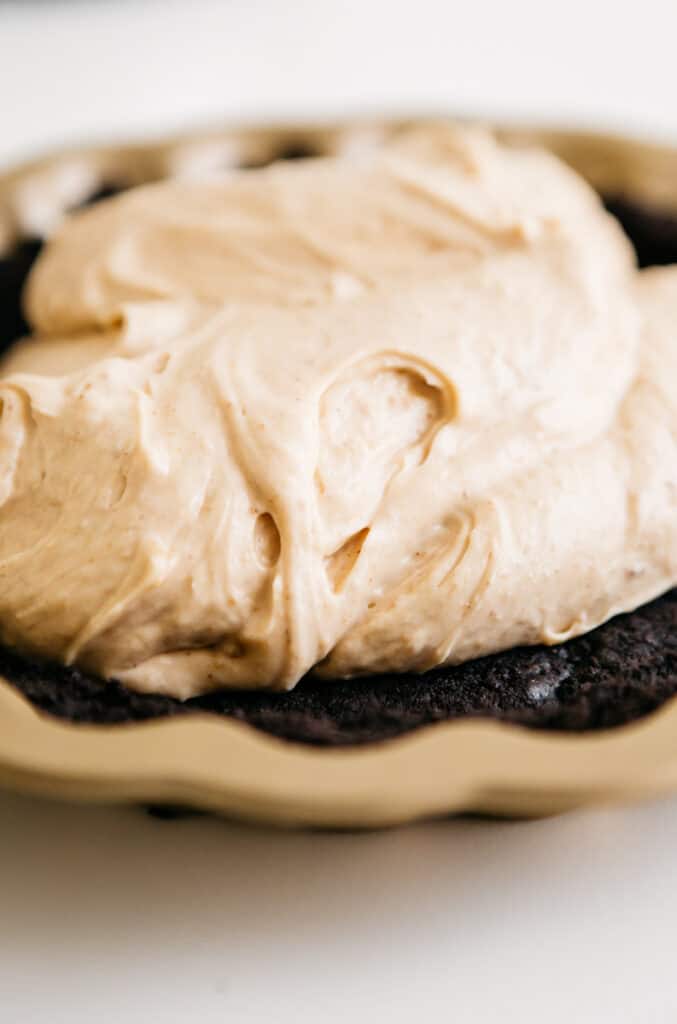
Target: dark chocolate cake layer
619 672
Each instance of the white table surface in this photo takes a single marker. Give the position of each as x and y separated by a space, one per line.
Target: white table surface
107 915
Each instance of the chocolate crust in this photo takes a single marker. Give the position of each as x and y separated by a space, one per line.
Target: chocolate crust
652 231
619 672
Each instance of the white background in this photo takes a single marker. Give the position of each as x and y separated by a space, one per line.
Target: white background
110 916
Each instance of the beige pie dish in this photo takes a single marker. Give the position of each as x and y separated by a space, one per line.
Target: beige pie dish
222 765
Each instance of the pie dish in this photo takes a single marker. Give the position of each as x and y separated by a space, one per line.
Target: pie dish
618 673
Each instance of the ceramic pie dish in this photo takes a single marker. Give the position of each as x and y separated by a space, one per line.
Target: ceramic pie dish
225 765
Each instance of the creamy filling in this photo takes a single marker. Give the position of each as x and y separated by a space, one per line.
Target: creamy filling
379 413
